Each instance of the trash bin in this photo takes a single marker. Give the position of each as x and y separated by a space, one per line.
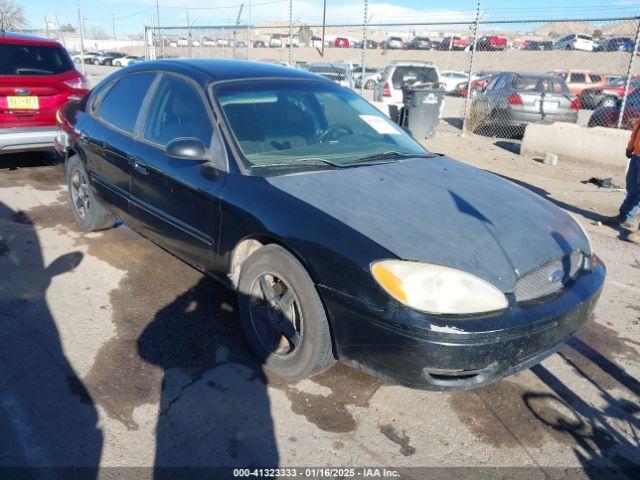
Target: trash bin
421 111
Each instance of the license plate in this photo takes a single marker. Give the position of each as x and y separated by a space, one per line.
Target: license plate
550 106
23 103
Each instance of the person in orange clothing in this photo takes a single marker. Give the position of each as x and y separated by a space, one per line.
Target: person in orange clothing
631 204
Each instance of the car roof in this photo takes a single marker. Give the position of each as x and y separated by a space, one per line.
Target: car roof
222 69
23 38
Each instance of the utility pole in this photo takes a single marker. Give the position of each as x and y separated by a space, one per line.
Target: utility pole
46 26
235 30
290 32
364 45
81 25
113 25
160 33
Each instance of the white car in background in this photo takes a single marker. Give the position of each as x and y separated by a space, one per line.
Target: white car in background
88 57
575 41
451 79
125 61
338 72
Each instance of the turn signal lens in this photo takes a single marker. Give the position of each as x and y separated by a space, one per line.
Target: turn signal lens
437 289
77 83
386 90
514 99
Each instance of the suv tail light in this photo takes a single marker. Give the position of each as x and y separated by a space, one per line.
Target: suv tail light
77 83
386 90
514 99
575 104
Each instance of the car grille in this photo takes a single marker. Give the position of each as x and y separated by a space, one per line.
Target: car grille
550 278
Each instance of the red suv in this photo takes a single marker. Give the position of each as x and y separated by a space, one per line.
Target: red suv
37 76
341 42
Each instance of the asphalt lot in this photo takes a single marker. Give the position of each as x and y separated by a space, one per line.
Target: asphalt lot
114 353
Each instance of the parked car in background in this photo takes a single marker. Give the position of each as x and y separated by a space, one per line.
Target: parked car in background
512 100
618 44
454 43
275 42
183 42
419 43
491 43
338 72
78 57
393 43
578 80
608 116
341 42
453 280
370 79
575 41
477 85
295 41
607 96
126 60
37 76
371 44
404 73
452 79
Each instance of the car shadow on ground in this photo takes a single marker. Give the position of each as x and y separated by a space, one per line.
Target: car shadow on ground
214 409
602 450
47 417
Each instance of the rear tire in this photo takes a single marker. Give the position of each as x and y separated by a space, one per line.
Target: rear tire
282 316
88 211
96 62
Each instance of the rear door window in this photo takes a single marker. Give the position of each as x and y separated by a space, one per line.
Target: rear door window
123 102
578 78
18 59
595 78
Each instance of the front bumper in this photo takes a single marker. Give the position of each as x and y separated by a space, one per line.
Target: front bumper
457 354
26 138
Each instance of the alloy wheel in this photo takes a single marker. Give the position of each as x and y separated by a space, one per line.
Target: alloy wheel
80 193
276 315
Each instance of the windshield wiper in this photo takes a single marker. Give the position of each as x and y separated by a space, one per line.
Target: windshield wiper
301 161
391 155
33 70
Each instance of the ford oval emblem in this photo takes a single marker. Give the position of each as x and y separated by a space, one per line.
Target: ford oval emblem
22 91
556 276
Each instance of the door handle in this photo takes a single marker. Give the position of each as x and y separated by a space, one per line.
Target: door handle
138 165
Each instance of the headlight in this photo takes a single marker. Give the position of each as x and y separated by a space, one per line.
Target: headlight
437 289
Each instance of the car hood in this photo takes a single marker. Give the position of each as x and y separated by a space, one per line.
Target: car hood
445 212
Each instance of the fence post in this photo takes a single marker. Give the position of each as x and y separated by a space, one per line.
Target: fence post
290 32
629 73
364 46
473 54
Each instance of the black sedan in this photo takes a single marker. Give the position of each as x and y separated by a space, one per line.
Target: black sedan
345 239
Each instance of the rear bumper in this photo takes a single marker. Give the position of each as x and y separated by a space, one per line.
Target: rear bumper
26 138
520 118
464 356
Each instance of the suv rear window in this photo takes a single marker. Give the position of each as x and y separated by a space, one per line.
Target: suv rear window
21 59
410 74
540 84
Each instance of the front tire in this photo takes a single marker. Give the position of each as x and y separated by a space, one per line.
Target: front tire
282 315
96 62
88 211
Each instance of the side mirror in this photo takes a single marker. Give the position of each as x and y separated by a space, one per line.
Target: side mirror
186 148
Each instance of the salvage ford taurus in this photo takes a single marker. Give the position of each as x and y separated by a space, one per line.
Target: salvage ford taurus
345 239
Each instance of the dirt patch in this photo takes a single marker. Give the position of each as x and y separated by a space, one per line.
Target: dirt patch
348 387
21 217
401 439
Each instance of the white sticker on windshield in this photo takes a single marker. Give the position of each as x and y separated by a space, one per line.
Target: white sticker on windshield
380 125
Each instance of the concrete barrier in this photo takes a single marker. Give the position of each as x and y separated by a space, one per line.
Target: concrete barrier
604 146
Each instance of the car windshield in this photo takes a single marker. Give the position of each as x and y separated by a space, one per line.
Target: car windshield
306 123
16 59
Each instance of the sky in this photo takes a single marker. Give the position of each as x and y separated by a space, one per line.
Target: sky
131 15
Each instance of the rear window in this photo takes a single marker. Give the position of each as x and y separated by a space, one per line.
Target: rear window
584 37
33 60
540 84
123 101
595 78
578 77
409 75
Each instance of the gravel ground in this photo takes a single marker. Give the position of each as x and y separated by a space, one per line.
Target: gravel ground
114 353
